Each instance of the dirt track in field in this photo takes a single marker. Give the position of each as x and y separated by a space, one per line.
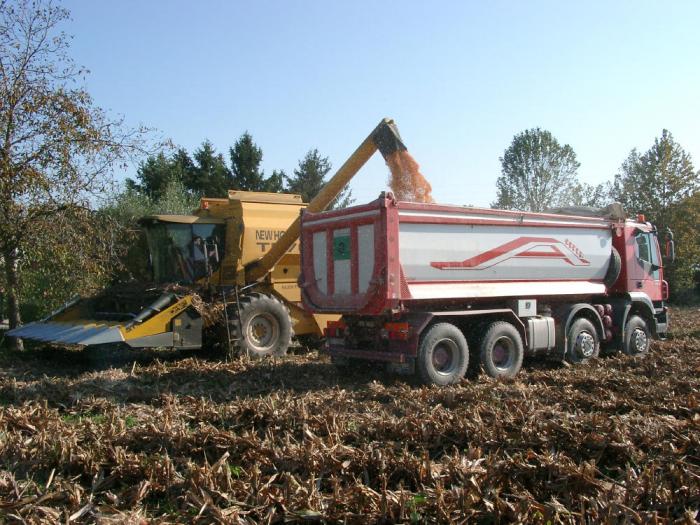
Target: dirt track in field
84 440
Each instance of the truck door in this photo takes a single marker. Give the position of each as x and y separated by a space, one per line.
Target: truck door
646 275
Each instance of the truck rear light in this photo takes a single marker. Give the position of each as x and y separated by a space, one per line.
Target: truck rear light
335 329
396 331
664 290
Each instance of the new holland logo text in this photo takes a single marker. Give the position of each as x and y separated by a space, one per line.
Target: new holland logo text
522 247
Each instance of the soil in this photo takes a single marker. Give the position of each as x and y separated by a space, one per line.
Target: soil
89 437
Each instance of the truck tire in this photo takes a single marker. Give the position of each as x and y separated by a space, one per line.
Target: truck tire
614 269
443 355
264 328
582 342
502 350
637 336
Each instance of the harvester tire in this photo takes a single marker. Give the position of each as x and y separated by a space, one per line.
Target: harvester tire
443 355
582 342
502 351
637 337
264 328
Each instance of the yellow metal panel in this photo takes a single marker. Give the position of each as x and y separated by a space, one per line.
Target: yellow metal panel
263 225
159 323
288 290
183 219
260 196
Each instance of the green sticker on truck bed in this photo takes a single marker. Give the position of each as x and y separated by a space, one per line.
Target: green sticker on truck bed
341 248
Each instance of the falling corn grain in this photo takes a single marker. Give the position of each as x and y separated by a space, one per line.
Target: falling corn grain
407 182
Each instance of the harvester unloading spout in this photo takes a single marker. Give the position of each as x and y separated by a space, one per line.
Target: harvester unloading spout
385 138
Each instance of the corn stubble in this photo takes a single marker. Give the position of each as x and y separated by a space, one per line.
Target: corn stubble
191 440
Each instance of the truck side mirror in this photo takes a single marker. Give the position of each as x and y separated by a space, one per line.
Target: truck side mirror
670 255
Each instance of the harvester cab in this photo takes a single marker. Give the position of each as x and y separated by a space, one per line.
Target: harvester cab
225 275
183 249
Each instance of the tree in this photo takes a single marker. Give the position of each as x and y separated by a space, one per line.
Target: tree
246 157
153 175
653 183
663 185
157 172
275 182
210 176
309 178
584 194
57 148
536 173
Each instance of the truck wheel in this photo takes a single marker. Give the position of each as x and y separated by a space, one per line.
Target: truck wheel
502 350
264 328
582 341
637 336
443 355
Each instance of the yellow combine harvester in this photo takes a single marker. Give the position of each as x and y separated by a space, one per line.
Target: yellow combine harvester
227 273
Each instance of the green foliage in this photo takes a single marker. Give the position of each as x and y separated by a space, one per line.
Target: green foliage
275 182
208 174
75 254
584 194
663 184
538 173
655 182
210 177
246 157
309 178
57 152
158 171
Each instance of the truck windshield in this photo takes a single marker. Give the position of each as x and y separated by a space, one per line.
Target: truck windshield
184 252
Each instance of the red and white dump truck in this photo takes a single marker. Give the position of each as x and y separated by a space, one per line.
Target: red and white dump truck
419 285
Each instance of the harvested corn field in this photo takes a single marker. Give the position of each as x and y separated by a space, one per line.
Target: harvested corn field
193 440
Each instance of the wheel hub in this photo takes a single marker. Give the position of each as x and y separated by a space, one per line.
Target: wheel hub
262 331
503 353
444 356
640 340
585 344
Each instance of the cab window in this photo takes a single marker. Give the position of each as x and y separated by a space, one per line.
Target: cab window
643 249
647 251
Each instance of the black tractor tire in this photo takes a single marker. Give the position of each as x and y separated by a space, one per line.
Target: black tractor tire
614 269
264 328
582 342
501 351
443 355
637 336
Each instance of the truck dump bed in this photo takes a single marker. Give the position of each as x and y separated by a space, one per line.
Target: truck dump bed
372 258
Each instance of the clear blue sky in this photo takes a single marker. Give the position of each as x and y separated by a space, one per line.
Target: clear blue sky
459 78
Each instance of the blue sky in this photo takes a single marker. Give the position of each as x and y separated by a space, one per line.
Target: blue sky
459 78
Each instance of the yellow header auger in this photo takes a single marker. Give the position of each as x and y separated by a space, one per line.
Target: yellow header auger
228 272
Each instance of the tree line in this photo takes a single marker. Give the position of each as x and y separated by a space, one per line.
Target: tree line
207 173
67 227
